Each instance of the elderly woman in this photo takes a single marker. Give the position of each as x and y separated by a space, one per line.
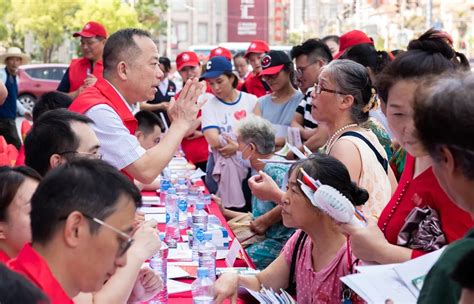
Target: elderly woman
341 101
256 142
317 255
445 125
419 201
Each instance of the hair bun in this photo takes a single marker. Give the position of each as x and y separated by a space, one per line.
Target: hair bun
432 42
359 195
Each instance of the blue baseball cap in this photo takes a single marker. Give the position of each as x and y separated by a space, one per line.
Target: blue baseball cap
216 66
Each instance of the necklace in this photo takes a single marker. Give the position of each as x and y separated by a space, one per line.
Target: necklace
334 137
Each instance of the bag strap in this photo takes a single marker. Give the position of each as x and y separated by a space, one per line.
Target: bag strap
380 158
296 255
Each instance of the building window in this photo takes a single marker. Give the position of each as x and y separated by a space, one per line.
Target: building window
202 31
182 31
178 5
202 6
219 33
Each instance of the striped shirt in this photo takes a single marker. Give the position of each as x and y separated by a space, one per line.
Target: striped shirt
304 108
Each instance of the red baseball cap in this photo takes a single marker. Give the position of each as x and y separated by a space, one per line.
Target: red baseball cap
257 46
351 39
185 59
92 29
220 51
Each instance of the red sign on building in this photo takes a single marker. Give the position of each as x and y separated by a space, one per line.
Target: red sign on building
247 20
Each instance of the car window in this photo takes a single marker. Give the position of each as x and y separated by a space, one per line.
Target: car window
49 73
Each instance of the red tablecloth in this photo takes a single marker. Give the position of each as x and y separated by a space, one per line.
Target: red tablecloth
213 208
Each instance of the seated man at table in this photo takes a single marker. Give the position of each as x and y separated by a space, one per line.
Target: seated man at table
74 138
81 222
149 129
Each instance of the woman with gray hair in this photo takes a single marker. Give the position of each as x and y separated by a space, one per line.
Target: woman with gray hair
342 100
256 141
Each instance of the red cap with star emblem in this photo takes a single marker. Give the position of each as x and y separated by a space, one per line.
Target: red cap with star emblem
185 59
92 29
257 46
220 51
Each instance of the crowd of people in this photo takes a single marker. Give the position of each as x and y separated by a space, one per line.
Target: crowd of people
391 131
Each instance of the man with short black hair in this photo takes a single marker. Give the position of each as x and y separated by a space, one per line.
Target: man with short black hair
81 222
309 57
149 129
72 136
72 139
132 74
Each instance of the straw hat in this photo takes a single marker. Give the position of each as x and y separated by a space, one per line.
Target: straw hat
14 52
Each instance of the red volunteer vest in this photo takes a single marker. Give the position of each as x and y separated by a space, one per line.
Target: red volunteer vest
78 70
253 85
103 93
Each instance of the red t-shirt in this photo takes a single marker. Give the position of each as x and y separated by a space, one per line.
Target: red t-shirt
4 258
424 190
196 149
30 264
254 85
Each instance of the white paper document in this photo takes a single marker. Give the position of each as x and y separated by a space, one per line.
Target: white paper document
159 217
400 283
176 286
151 210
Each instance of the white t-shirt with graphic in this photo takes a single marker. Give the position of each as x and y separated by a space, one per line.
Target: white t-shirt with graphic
222 116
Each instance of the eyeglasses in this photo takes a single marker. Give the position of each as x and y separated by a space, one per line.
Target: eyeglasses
318 89
124 246
91 155
300 71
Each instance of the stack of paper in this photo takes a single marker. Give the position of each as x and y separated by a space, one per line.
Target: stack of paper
400 283
268 296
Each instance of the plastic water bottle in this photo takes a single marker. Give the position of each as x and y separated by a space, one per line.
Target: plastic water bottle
193 196
183 212
203 288
172 234
159 265
199 219
182 187
206 198
164 186
207 252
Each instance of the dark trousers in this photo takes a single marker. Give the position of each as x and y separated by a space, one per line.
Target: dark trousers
9 131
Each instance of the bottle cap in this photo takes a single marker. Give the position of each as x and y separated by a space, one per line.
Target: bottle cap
181 181
171 190
200 205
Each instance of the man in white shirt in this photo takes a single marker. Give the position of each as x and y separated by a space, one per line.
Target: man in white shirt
131 75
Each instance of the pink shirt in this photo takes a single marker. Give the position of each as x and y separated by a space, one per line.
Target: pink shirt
323 286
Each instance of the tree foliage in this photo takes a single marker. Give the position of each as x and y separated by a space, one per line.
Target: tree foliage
50 22
46 20
113 14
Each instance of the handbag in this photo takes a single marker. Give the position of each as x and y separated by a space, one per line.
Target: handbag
240 225
422 230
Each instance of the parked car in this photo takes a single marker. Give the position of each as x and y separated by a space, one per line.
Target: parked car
37 79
